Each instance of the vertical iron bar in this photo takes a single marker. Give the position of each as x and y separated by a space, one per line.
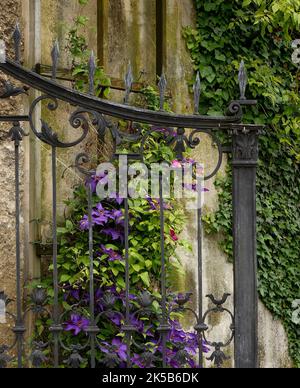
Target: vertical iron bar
200 268
19 322
127 282
55 266
245 156
164 322
92 293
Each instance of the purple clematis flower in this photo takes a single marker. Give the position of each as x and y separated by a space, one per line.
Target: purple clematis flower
120 348
100 215
115 234
138 324
73 293
99 178
155 204
117 216
166 131
116 346
137 361
116 318
84 223
112 255
77 324
98 299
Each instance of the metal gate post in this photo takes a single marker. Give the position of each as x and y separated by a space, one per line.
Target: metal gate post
245 157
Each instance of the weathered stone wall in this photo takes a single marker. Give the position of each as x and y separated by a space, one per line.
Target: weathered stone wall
10 11
126 32
124 22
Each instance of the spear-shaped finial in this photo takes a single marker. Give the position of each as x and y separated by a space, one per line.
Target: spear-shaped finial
55 58
17 42
197 93
2 51
128 83
92 71
162 85
243 80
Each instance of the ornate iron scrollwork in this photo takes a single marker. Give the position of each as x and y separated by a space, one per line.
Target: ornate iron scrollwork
16 133
10 90
80 118
38 357
218 357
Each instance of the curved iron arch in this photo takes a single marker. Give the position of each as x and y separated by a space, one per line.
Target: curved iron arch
113 109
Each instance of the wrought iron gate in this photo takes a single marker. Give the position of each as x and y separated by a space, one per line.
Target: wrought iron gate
244 149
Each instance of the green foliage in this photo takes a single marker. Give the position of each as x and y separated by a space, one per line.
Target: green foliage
152 99
80 54
144 243
260 32
109 275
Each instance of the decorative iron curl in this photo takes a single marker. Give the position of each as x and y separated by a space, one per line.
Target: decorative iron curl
145 301
75 308
195 141
10 90
100 123
47 135
81 159
181 143
121 136
235 109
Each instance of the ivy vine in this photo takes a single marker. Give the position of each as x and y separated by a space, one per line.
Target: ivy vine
260 32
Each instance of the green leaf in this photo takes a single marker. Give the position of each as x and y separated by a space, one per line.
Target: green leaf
136 267
145 278
115 271
65 278
148 264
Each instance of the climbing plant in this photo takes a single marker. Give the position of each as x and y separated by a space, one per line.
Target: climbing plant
108 223
260 32
77 47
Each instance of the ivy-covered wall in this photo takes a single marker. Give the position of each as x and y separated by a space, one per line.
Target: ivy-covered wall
260 32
